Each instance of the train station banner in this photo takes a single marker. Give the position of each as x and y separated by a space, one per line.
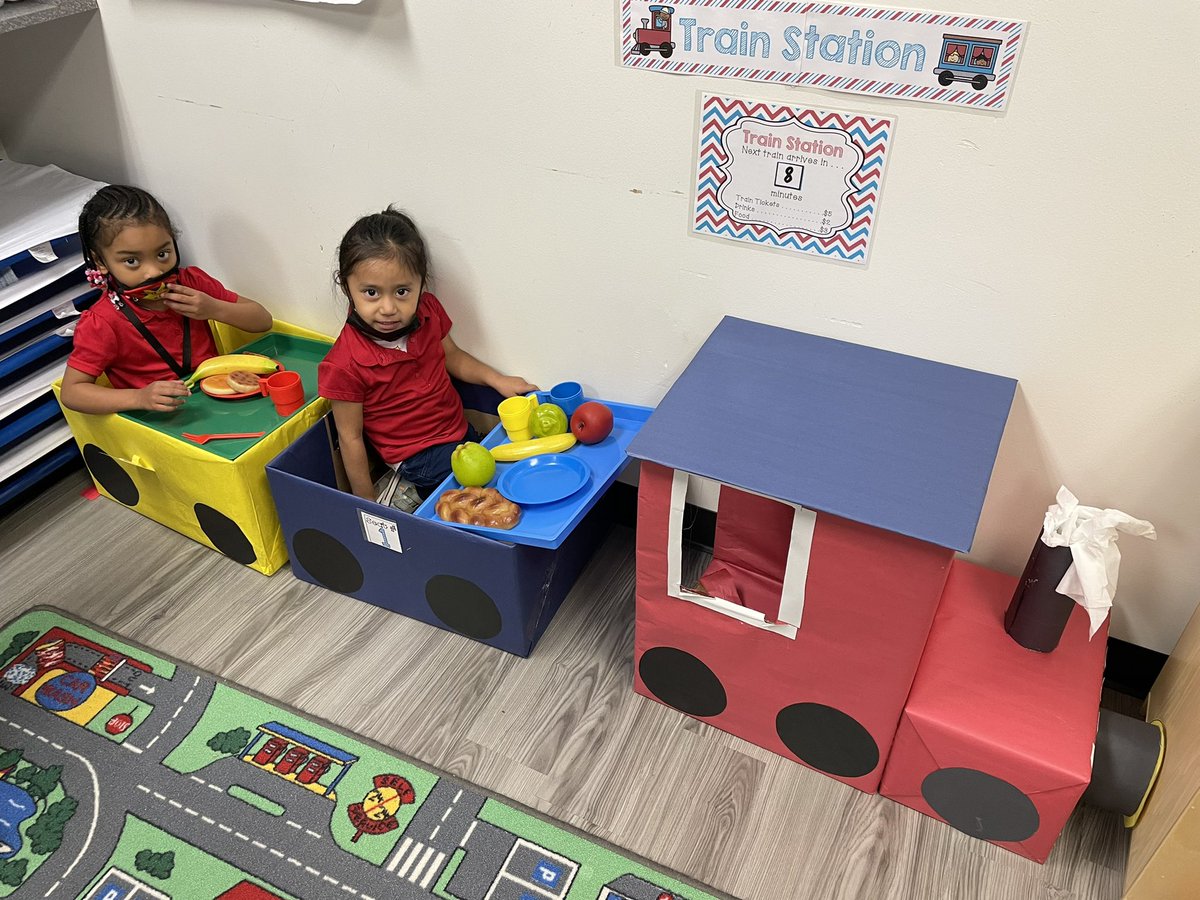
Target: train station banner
791 178
948 58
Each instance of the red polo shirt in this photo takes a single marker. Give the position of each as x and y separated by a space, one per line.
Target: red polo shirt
107 343
409 403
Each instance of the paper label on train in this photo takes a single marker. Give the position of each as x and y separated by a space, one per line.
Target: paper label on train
380 531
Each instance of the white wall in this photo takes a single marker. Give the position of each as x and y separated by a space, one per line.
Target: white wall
555 190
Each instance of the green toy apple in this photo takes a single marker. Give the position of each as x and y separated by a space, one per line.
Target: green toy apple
548 419
473 464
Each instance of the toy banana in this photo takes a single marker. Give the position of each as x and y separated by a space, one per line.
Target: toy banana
555 443
232 362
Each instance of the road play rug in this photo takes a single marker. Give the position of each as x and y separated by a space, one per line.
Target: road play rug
128 776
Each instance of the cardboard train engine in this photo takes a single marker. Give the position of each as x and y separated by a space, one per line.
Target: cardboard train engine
834 625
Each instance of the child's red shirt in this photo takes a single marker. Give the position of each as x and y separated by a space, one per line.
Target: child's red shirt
408 400
107 343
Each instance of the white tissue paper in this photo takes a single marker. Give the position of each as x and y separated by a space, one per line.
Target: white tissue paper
1092 536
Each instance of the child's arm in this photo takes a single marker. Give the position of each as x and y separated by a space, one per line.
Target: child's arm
349 419
245 314
465 367
81 393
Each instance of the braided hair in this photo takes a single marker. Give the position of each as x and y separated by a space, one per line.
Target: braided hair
112 208
384 235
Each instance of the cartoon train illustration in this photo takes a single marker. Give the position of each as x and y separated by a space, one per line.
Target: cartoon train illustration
970 59
655 33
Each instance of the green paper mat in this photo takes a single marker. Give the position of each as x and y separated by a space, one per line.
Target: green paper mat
128 776
202 414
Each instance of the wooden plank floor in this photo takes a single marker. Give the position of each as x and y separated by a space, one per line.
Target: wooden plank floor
561 732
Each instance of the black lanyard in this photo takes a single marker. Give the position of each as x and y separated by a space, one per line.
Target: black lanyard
184 370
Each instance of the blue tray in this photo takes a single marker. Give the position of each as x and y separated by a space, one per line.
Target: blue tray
548 524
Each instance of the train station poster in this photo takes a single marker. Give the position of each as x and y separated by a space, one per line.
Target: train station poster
948 58
796 179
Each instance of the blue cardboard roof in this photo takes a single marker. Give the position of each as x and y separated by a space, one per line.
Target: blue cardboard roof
885 439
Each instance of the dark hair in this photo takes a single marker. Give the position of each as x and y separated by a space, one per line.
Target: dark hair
112 208
390 234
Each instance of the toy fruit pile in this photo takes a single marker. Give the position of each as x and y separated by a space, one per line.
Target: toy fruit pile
591 423
475 465
232 375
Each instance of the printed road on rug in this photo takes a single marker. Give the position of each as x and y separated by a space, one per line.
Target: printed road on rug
128 776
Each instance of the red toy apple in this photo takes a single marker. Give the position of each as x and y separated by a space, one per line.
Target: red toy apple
592 422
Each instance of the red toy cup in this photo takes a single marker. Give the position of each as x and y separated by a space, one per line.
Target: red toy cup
285 390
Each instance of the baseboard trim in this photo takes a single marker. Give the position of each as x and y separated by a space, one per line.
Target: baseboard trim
1129 668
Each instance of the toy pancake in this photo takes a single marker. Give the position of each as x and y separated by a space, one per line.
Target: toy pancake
231 385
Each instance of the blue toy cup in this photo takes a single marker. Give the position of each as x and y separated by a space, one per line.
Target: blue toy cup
568 395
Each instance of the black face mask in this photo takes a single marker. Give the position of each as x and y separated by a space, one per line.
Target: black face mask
150 289
354 320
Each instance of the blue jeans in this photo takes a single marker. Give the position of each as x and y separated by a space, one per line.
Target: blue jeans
428 468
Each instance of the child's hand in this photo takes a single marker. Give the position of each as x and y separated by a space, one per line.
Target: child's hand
513 386
163 396
190 302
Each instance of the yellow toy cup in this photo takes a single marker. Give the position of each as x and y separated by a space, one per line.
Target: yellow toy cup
514 416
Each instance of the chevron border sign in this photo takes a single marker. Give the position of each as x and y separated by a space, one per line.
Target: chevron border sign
796 179
902 54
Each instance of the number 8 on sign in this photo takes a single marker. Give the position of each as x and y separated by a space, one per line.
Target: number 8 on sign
788 175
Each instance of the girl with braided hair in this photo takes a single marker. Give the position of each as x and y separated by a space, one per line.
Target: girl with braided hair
140 334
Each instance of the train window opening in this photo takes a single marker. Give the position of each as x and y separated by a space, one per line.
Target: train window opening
955 54
760 555
982 57
751 550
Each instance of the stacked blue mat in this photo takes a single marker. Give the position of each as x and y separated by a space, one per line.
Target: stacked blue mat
42 293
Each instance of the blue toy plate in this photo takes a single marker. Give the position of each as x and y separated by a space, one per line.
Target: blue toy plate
544 479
